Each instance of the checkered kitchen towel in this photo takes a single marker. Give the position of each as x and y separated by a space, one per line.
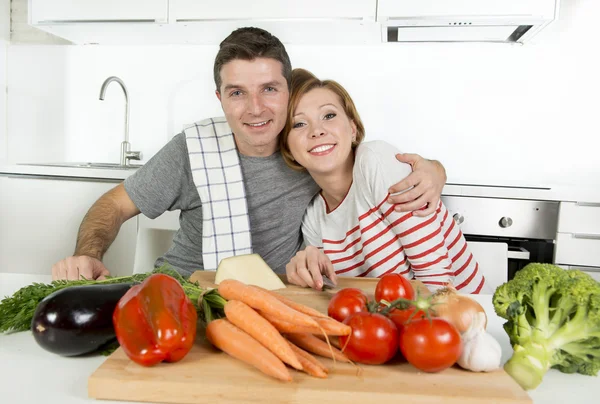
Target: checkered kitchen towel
218 178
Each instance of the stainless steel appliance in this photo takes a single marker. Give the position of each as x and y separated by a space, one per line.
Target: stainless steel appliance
528 227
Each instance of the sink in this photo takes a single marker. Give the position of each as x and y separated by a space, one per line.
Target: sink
106 166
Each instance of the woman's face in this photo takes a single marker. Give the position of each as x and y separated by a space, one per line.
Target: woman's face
322 134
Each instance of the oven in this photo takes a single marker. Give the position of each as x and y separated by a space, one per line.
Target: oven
527 227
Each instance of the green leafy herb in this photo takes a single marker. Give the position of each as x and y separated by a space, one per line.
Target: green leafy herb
16 311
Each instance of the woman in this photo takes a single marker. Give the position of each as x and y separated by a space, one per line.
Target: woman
350 218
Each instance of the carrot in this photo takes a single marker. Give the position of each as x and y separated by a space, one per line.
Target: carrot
230 339
243 316
317 346
231 289
333 327
301 352
330 326
335 341
287 327
295 305
310 364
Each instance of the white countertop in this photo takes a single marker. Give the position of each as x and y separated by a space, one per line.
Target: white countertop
68 172
564 193
28 374
580 193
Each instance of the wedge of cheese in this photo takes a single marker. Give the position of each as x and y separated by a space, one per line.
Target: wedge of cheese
250 269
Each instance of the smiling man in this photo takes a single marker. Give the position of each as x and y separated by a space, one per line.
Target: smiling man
227 177
254 96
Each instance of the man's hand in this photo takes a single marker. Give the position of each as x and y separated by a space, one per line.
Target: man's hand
427 181
306 267
79 267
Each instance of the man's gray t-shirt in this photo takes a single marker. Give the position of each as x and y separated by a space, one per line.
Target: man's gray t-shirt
277 197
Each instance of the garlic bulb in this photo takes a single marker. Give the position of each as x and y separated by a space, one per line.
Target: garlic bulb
481 352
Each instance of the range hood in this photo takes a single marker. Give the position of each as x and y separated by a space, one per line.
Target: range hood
503 21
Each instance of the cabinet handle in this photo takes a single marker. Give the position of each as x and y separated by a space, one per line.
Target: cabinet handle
144 20
585 269
587 236
589 204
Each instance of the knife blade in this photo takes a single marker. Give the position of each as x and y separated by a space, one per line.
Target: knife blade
328 283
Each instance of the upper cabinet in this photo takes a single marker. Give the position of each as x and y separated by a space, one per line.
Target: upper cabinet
205 21
303 22
298 22
49 11
186 10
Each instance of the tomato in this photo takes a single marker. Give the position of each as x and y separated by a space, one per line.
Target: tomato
401 317
393 286
374 338
430 345
346 302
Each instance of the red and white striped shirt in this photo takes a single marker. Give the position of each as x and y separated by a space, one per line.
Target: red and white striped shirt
365 236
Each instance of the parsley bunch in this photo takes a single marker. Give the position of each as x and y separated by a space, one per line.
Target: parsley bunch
16 311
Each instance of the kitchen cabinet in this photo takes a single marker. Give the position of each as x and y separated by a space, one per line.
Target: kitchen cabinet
271 9
205 22
578 237
41 11
154 238
40 218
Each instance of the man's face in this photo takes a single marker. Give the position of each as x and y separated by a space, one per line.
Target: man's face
254 98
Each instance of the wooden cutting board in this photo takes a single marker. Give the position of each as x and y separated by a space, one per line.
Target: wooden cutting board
207 375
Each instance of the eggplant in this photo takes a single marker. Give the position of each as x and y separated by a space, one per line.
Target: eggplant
77 320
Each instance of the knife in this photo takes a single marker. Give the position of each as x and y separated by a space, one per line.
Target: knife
328 283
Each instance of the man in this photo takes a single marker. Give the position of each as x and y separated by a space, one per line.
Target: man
235 192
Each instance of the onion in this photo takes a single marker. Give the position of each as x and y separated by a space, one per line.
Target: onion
455 308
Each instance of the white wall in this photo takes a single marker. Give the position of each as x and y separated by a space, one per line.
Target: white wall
4 40
492 113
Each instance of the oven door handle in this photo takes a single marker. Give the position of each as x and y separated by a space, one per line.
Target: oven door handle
518 254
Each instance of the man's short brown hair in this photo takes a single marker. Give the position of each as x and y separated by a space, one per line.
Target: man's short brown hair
249 43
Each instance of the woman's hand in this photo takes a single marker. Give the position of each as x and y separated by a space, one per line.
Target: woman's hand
307 267
427 181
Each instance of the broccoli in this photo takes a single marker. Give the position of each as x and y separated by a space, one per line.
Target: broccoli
553 322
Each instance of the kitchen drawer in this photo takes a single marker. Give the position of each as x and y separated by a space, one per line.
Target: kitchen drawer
40 219
594 272
579 218
573 249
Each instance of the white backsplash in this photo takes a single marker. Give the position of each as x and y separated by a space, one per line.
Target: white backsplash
492 113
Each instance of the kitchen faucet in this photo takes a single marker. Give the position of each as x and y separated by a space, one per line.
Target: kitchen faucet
126 153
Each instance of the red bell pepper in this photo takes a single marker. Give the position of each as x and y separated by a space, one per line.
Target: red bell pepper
155 321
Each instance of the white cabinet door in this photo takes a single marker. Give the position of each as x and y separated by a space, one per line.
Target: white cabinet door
579 218
154 238
271 9
98 10
574 249
39 222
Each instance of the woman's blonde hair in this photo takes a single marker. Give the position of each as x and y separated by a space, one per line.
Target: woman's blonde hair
304 81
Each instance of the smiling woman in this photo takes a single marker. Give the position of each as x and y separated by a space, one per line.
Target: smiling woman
322 136
352 219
